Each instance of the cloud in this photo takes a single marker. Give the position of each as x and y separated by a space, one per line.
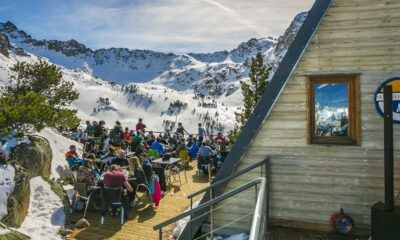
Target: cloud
168 25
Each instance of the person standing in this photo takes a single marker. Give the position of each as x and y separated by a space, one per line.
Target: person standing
181 130
201 134
89 129
116 137
140 126
127 138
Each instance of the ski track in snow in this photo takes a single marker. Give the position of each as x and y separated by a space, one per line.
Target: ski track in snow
45 214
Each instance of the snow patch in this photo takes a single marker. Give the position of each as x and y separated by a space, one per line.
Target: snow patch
181 224
69 189
45 214
4 231
11 142
59 146
240 236
7 173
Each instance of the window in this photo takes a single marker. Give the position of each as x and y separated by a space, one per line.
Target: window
334 109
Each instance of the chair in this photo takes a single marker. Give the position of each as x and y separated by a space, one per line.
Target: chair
112 197
154 153
140 175
171 172
81 193
204 163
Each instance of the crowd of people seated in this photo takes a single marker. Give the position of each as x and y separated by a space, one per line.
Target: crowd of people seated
120 158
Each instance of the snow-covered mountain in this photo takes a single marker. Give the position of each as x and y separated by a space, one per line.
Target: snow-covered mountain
122 84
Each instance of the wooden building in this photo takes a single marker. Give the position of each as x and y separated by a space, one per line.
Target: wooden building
318 122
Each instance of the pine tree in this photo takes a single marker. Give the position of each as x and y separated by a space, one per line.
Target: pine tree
252 92
37 97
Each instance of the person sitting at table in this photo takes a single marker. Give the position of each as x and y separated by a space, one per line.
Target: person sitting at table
150 138
146 166
136 141
211 145
140 150
86 174
120 160
191 141
220 137
116 179
193 149
205 155
73 158
96 151
173 141
158 146
180 146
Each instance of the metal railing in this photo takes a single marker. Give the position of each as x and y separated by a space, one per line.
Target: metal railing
257 231
254 183
259 211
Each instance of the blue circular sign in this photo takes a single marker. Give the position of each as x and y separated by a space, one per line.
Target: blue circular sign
395 83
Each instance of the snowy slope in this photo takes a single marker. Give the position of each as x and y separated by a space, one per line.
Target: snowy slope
146 84
45 214
59 146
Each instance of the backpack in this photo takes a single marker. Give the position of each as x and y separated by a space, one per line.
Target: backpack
166 157
97 131
116 137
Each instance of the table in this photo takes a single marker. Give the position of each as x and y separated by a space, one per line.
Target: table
171 161
169 164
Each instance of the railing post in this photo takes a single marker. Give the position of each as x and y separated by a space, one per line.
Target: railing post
268 177
255 193
191 203
211 215
160 234
190 226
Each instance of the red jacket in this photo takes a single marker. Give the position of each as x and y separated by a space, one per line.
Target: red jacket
140 126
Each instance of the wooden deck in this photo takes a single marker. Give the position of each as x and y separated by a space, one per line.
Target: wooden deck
143 217
282 233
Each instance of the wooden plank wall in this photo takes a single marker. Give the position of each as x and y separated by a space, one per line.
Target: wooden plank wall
310 182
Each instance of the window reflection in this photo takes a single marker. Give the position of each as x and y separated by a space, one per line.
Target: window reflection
331 109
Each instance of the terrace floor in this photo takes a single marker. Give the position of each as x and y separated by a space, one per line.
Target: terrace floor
143 217
284 233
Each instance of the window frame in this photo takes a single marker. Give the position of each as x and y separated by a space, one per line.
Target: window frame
354 113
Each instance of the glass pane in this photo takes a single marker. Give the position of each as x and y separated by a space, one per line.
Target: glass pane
331 109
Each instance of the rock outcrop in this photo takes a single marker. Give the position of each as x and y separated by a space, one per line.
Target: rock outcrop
29 160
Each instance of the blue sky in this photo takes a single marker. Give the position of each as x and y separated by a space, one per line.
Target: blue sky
167 25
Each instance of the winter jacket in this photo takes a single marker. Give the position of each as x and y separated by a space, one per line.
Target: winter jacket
73 160
157 146
193 150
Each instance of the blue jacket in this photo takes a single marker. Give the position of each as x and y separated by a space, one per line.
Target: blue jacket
73 160
157 146
193 150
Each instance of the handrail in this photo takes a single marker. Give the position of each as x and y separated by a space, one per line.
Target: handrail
211 202
229 178
258 213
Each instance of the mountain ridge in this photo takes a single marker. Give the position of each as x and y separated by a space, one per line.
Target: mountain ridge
207 84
